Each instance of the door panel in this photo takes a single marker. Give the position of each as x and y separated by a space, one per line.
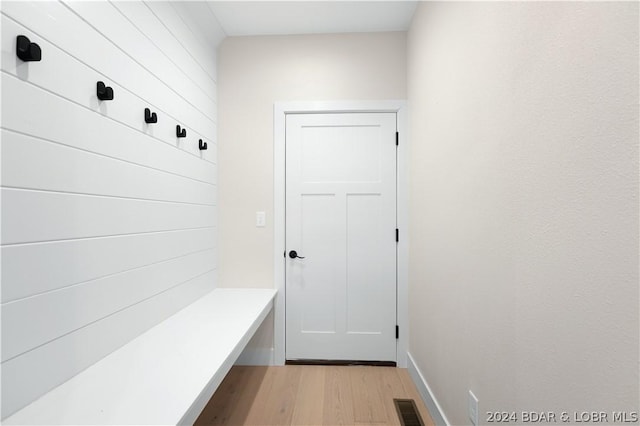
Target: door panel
316 240
341 217
364 215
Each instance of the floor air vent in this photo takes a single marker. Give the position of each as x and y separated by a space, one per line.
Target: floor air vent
408 412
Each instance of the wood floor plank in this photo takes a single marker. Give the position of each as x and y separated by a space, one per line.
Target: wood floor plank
338 397
276 407
309 406
258 407
249 389
302 395
368 404
389 382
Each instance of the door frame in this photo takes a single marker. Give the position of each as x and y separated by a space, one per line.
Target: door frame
280 110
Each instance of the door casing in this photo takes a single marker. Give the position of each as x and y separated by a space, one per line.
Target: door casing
281 109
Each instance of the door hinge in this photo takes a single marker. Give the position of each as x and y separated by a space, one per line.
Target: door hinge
397 235
397 138
397 332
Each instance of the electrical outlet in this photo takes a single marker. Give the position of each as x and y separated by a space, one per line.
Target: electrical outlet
473 408
261 219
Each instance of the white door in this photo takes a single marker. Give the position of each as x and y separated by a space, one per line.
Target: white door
341 222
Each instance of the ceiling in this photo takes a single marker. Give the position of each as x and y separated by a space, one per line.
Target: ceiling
241 18
220 19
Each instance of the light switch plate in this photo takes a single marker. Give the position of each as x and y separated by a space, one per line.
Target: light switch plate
261 219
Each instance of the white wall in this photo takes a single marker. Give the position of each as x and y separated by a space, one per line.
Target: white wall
254 73
524 204
108 223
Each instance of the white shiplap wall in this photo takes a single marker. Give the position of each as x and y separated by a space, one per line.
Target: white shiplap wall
108 223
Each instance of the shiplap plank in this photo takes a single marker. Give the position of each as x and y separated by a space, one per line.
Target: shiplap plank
200 13
148 24
27 323
31 110
64 263
32 216
109 22
36 372
176 25
33 163
57 24
127 107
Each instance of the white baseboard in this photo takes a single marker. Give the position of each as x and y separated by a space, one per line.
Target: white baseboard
437 414
259 356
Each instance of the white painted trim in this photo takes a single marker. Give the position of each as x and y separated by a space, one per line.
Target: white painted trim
279 243
429 399
279 115
402 216
260 356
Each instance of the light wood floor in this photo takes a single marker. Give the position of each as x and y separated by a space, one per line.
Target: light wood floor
311 395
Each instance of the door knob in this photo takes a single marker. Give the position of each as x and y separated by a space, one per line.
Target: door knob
293 254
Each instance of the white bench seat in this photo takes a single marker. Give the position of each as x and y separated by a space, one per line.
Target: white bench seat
164 376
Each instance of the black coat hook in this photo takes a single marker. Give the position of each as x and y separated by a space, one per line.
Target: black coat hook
104 93
181 133
202 145
26 50
150 117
